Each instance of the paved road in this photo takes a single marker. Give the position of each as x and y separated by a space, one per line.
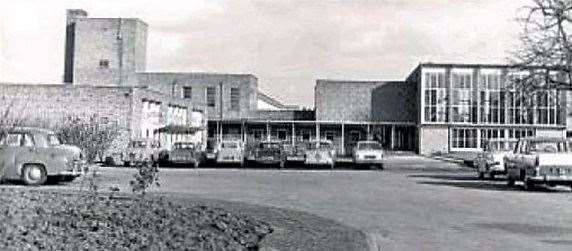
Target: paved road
415 204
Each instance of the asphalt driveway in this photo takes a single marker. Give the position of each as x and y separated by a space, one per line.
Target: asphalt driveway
415 204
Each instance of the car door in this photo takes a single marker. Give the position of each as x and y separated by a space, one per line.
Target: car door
11 149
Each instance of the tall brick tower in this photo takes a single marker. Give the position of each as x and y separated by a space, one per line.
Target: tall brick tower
104 51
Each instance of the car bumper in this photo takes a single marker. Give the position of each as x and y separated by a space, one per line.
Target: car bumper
319 162
183 161
265 160
229 161
368 161
295 158
561 179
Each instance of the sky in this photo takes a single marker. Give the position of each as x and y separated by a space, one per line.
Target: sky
287 45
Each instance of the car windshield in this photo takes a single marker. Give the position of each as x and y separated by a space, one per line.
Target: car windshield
53 140
184 145
270 145
369 145
549 147
139 144
229 145
322 145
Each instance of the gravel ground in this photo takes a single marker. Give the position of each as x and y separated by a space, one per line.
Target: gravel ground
40 219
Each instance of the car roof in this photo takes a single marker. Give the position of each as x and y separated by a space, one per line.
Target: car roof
367 141
546 139
30 130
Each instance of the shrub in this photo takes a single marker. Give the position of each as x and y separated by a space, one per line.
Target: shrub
91 135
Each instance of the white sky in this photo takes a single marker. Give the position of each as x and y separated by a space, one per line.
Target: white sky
286 44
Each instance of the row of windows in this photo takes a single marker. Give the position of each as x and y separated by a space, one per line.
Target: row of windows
473 138
211 96
493 103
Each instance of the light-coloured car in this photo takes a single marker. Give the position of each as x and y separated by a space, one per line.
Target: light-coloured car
540 160
141 151
230 152
33 154
320 152
491 161
186 153
368 153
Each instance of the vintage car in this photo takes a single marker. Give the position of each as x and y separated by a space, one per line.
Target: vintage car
490 162
266 153
141 151
230 152
320 152
540 160
186 153
368 153
211 149
295 153
34 154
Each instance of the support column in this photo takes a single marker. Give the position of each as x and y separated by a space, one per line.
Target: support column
220 132
267 131
368 135
392 143
217 131
317 131
243 131
293 135
343 140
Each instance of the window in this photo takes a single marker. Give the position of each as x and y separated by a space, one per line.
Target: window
104 63
492 98
211 92
234 98
462 97
187 92
282 134
329 135
464 138
435 97
11 140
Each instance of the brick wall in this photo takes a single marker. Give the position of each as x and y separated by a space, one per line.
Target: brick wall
121 41
173 83
433 139
344 100
394 102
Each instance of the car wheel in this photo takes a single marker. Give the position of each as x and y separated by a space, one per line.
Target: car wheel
528 185
34 175
510 181
127 163
380 167
481 175
492 175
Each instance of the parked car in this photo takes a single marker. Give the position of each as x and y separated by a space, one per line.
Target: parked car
368 153
230 152
34 154
267 153
141 151
211 149
186 153
296 153
490 162
321 152
540 160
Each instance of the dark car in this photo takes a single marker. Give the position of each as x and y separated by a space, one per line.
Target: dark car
186 153
266 153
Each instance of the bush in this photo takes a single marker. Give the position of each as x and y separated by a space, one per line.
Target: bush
91 135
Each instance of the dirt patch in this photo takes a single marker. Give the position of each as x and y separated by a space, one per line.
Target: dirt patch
34 219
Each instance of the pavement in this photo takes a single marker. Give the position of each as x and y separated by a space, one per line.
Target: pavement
416 203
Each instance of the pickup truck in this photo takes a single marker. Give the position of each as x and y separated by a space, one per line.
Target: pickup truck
540 160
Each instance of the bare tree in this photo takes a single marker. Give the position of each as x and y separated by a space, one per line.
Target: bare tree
546 50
